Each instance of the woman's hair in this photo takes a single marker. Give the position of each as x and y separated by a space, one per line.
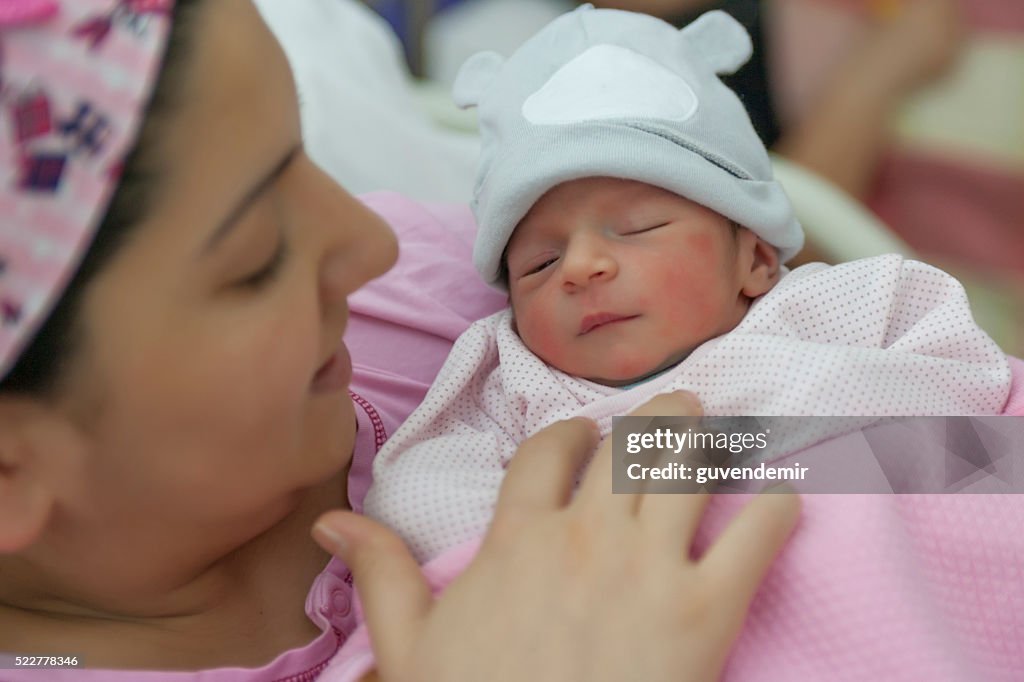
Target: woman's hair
41 365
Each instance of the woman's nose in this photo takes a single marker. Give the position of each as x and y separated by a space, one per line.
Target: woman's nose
587 260
363 249
351 243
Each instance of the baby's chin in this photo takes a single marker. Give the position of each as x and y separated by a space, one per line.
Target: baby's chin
638 376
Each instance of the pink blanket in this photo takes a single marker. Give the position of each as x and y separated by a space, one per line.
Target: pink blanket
870 587
891 587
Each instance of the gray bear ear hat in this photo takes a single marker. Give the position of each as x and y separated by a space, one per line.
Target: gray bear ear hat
619 94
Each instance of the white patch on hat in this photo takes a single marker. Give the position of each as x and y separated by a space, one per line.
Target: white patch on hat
606 82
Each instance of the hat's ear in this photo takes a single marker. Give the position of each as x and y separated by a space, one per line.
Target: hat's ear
720 40
474 78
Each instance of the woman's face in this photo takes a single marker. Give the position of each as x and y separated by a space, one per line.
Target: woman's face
212 381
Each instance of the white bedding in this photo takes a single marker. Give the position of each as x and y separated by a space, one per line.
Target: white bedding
362 120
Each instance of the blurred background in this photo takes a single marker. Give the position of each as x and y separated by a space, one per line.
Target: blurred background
913 109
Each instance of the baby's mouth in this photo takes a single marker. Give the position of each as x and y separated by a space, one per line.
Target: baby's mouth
596 320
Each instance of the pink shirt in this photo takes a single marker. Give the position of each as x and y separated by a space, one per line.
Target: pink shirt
400 331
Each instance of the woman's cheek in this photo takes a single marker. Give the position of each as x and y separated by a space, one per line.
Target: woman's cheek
271 371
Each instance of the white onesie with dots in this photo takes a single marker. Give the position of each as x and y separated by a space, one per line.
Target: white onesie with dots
880 336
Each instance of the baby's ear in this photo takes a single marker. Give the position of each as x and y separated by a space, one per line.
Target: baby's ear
720 40
474 77
764 270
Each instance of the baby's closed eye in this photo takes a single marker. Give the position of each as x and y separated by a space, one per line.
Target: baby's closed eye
532 270
644 228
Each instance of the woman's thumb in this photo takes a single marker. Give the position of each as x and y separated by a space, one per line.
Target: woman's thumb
394 596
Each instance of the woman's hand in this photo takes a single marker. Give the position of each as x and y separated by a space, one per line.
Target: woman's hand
596 587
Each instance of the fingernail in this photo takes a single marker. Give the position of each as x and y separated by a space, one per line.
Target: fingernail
328 538
688 398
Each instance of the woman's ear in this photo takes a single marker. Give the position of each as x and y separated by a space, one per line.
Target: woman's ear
27 487
759 262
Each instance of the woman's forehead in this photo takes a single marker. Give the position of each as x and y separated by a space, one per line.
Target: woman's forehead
236 114
237 83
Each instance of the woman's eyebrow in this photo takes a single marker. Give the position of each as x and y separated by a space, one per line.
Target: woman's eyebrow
225 227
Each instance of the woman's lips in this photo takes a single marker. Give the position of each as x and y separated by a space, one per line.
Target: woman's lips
592 322
335 374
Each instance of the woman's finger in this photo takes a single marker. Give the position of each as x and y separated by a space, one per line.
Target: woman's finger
394 595
673 518
544 468
740 557
597 485
671 510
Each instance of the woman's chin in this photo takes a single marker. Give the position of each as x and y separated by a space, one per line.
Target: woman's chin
332 436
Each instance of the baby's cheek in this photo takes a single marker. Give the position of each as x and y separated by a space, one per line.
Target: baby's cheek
541 336
691 317
538 325
701 244
687 327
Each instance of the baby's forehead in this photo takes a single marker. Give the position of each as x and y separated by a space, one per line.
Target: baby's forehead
601 196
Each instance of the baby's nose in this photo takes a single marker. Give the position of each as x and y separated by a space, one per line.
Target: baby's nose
585 263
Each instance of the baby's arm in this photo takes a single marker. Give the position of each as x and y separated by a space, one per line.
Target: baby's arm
440 492
436 480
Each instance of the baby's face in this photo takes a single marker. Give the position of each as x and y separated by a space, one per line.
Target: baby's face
613 280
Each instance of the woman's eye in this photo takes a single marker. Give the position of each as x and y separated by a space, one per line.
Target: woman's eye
266 274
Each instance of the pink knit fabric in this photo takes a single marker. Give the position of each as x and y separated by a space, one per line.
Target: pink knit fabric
75 77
